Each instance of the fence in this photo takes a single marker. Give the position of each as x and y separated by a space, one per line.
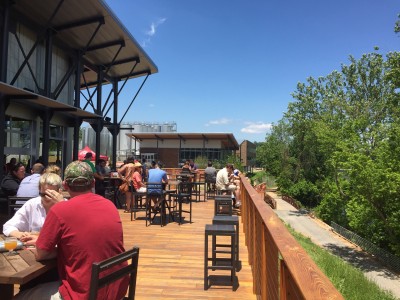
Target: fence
388 259
291 201
281 267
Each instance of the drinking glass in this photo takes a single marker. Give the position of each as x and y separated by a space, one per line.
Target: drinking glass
10 243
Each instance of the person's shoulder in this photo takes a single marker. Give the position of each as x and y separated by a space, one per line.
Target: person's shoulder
34 201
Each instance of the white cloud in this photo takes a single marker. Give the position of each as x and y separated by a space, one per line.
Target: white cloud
154 25
152 31
222 121
258 127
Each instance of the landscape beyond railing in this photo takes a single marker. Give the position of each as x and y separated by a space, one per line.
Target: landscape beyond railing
388 259
281 267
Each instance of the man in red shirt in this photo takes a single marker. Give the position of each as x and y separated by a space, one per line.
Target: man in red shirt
83 230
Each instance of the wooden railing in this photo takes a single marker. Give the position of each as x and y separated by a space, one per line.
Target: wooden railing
281 267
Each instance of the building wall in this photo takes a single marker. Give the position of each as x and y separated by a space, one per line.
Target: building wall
26 36
60 64
169 157
247 154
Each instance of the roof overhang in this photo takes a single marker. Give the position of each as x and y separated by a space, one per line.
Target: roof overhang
90 27
42 103
227 139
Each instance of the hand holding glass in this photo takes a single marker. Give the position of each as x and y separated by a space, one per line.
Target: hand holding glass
10 243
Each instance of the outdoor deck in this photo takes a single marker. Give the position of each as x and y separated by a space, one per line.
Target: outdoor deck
171 264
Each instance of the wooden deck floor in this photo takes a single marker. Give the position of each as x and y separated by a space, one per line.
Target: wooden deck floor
171 264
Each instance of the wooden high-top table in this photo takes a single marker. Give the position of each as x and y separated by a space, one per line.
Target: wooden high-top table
20 269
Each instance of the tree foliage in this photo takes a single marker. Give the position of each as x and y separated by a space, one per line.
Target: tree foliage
338 147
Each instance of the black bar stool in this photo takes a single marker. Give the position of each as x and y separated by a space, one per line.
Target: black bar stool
230 220
217 262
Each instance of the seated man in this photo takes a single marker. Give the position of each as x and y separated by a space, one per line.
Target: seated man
156 175
77 246
223 182
210 175
28 220
29 186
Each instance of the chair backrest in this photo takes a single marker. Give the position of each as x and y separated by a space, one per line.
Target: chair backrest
98 281
185 187
211 178
15 203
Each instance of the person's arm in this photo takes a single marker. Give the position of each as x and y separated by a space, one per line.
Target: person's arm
165 177
18 224
45 255
98 176
121 171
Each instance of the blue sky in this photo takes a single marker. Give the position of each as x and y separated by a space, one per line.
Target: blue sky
231 66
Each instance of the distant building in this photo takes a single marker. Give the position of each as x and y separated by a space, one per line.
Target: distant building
247 154
126 146
174 148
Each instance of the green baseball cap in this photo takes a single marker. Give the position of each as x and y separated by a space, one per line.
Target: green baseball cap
78 173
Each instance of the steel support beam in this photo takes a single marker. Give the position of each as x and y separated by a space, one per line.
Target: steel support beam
48 64
116 125
77 103
99 122
2 129
4 42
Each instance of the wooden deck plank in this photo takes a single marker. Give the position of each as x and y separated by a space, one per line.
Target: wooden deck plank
171 261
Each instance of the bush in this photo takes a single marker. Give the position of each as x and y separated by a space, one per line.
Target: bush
306 193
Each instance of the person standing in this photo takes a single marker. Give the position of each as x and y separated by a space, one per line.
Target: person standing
126 173
88 159
29 186
77 247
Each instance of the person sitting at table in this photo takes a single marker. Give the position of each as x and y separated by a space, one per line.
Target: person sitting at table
186 168
29 186
99 176
223 182
12 180
157 175
210 174
193 166
76 246
137 180
28 220
126 173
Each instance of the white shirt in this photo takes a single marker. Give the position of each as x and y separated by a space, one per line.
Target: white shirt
222 180
30 217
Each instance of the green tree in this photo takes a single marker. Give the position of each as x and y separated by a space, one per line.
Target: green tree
338 147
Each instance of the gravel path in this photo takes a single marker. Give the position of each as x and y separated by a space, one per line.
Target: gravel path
321 234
